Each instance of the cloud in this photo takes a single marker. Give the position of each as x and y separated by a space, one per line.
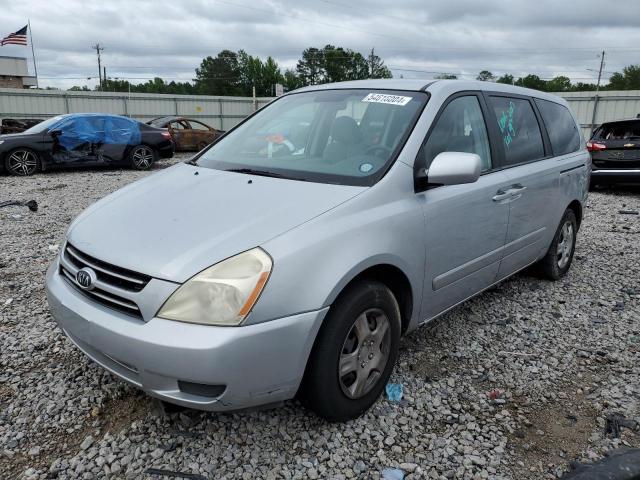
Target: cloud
150 38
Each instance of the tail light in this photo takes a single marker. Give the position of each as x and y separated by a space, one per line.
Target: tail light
595 146
166 135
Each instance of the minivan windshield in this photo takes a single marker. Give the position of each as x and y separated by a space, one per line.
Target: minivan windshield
345 137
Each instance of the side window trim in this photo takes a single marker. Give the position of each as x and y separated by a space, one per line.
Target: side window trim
543 132
463 93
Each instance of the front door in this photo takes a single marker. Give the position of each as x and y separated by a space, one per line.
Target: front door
465 225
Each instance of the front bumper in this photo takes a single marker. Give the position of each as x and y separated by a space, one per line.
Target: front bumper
615 176
257 364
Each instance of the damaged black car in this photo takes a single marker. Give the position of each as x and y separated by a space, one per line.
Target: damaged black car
615 153
84 139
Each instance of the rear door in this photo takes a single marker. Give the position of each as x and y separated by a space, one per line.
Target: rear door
465 227
181 134
533 174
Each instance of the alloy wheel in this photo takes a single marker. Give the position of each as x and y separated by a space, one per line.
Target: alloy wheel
142 157
365 353
565 244
23 162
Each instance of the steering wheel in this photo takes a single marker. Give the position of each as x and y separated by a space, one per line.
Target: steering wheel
379 151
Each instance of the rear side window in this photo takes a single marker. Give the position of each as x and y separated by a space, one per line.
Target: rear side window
561 127
519 130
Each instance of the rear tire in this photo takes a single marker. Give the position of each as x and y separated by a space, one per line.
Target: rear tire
142 157
557 261
22 162
354 353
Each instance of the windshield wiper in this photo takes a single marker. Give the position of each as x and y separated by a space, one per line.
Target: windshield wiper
262 173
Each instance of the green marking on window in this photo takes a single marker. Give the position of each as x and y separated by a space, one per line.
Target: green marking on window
505 122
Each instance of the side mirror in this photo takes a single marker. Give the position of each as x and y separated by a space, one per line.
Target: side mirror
55 133
450 168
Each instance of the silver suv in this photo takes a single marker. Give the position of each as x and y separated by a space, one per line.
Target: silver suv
290 256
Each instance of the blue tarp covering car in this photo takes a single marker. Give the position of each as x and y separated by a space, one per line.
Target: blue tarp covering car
84 139
96 129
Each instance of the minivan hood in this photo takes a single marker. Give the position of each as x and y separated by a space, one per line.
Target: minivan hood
175 223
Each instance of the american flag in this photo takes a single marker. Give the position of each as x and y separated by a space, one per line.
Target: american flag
16 38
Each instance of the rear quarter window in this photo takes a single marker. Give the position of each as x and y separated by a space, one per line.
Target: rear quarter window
562 129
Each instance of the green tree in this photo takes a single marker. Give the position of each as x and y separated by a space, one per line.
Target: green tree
506 78
446 76
532 81
343 64
310 67
486 76
76 88
291 81
220 75
629 79
559 84
377 68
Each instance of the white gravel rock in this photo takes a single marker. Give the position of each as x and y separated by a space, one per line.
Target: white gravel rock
479 383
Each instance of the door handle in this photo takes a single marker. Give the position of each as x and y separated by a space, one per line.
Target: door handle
502 195
512 193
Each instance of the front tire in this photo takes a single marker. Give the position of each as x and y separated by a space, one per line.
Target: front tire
142 157
354 353
22 162
557 261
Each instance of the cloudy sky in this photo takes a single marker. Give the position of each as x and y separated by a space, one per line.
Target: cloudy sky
169 38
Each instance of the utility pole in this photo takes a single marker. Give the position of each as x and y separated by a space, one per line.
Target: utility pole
596 98
98 49
104 78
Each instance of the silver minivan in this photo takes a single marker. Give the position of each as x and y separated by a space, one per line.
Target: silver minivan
289 257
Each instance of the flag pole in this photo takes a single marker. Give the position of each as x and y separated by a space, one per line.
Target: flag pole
33 53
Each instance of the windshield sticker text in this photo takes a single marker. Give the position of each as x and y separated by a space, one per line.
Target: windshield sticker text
388 99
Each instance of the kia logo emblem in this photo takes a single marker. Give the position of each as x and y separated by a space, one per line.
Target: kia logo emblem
86 278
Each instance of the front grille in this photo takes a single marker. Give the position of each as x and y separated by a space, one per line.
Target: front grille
113 283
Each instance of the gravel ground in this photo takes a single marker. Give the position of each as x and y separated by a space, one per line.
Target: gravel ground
516 383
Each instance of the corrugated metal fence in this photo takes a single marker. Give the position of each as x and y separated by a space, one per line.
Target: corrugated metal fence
225 112
609 105
219 112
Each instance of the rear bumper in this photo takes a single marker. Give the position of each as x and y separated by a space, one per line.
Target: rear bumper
256 364
615 176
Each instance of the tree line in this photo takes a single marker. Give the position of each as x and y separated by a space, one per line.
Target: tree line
238 73
628 79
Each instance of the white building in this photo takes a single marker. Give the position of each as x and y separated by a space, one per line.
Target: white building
14 73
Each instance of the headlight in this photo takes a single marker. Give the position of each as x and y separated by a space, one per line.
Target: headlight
223 294
1 142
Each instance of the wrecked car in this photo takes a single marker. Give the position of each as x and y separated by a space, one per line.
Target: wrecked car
17 125
84 139
188 134
291 256
615 152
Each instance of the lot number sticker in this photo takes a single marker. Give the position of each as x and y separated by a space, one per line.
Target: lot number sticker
389 99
